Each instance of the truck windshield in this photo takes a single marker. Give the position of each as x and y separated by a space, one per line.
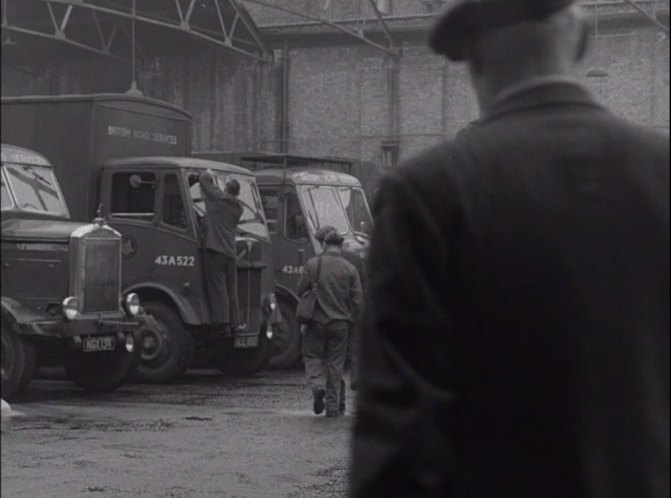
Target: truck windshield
252 221
324 208
34 189
356 207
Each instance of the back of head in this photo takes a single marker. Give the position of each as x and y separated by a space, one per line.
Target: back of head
233 187
506 41
333 238
321 233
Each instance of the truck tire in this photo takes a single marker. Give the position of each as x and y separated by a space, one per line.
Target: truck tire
245 362
102 372
287 339
18 362
164 355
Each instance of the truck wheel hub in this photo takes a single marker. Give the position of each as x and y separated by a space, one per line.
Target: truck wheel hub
152 344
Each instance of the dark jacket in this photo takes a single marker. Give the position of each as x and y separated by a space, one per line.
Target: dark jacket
516 340
223 212
339 288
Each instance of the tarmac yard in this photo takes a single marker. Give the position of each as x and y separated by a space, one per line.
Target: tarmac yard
206 436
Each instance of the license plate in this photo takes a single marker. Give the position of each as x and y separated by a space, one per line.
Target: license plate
246 342
105 343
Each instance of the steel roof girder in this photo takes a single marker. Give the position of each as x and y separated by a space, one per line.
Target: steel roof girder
184 26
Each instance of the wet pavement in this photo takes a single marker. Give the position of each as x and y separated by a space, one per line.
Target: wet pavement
207 436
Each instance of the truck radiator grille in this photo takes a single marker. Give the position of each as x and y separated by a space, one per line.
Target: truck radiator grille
249 295
101 275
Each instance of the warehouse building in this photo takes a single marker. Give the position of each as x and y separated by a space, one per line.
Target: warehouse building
337 78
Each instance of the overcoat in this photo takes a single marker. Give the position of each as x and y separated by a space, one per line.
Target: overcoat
516 337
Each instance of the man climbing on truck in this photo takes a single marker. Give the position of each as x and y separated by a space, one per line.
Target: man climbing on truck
222 215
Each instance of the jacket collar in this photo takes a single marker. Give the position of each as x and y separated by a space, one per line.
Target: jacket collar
538 92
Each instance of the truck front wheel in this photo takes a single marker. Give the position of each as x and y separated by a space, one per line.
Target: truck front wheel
287 338
18 362
101 372
167 350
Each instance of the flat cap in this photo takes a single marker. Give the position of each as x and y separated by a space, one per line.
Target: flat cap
464 17
323 231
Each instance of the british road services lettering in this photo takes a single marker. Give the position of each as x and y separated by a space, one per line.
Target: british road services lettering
149 136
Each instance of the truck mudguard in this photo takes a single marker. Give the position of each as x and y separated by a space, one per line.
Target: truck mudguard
16 314
184 308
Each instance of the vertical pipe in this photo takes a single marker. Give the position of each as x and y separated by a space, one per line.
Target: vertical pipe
284 103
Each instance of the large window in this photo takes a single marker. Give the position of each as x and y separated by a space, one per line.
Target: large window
356 207
173 205
35 189
133 196
324 208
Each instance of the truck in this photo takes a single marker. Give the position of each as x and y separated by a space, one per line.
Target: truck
62 303
300 194
129 157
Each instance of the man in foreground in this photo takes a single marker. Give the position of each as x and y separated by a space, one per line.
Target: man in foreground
516 339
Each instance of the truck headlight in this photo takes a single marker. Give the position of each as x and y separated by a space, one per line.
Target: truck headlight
70 307
132 304
272 301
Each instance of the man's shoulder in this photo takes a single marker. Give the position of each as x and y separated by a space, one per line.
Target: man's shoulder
432 171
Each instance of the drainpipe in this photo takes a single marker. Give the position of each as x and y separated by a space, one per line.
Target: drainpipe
390 146
284 101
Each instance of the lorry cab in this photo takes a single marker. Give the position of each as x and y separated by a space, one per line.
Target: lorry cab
61 285
155 202
297 202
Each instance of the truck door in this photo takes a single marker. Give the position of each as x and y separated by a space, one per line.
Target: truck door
289 232
160 243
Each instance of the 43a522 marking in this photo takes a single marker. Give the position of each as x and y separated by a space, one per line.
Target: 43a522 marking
169 260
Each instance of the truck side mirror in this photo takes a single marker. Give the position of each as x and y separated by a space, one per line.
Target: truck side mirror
135 181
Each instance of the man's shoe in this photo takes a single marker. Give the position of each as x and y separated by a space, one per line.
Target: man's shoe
318 403
332 414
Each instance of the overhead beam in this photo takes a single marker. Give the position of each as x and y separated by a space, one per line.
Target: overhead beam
227 42
645 14
62 39
388 50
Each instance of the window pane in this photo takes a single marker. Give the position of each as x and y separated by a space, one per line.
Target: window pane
35 189
173 205
133 201
324 208
357 210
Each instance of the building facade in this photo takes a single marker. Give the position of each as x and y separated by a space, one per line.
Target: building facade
325 92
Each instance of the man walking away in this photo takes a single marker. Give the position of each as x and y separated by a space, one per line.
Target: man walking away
337 306
516 335
351 358
223 212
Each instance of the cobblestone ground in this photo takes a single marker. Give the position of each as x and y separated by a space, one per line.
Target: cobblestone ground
207 436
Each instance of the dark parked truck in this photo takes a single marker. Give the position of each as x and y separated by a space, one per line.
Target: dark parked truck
61 285
126 156
299 196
